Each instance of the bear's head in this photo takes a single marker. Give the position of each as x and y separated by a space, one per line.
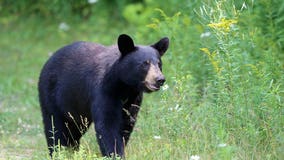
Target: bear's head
140 66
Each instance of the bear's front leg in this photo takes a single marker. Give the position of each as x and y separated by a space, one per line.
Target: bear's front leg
130 113
108 118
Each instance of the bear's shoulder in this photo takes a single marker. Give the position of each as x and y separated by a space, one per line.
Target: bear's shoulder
87 53
99 51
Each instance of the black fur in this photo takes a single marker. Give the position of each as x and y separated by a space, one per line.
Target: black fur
86 82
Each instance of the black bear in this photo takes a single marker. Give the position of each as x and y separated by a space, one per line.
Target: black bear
87 82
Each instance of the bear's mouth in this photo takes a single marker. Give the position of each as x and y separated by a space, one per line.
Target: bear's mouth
151 87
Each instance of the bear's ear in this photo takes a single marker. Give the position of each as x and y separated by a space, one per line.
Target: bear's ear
162 45
125 44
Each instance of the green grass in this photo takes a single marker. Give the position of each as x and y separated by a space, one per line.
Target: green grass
225 88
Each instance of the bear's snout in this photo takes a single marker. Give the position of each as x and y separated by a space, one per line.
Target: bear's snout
160 80
154 78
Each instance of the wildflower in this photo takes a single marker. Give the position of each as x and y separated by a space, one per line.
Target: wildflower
19 121
244 6
92 1
165 87
205 34
194 157
223 25
157 137
221 145
64 26
50 54
153 26
178 108
213 59
31 81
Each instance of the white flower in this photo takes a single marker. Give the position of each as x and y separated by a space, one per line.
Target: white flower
165 87
63 26
221 145
50 54
205 34
178 108
92 1
244 6
20 121
194 157
157 137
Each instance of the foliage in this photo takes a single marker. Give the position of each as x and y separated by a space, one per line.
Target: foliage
59 9
47 8
223 98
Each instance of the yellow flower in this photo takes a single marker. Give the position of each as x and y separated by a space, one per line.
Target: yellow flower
223 25
214 61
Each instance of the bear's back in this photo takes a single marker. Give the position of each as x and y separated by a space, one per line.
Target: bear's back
76 70
82 59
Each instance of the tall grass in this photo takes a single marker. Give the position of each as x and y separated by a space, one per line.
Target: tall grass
242 86
240 99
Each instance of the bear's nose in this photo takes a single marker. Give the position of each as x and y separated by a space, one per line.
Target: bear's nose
160 80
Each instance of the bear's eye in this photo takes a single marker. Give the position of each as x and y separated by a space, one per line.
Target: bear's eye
146 63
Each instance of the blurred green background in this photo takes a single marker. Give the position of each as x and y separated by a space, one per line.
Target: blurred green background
223 98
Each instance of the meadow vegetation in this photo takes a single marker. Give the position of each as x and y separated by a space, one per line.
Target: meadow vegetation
223 98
